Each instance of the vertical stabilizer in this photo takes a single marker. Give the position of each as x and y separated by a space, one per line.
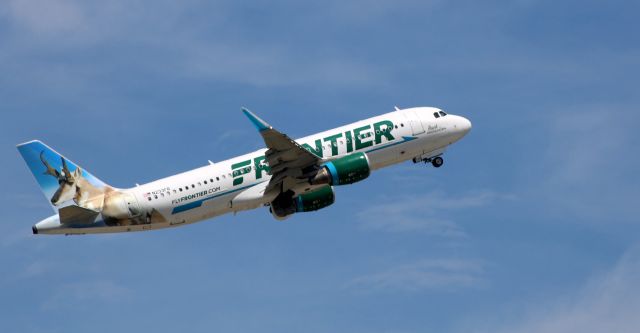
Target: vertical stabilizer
62 181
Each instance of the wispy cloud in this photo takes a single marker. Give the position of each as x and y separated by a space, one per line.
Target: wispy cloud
425 275
267 65
37 268
98 291
429 213
171 48
14 235
47 17
584 167
608 303
362 11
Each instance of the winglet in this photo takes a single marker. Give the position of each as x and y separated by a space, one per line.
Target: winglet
260 124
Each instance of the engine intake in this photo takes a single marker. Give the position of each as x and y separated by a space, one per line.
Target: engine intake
342 171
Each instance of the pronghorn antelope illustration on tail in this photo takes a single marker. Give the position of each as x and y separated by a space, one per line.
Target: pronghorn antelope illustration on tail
77 196
72 185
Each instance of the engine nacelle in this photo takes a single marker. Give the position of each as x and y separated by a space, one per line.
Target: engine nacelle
285 204
342 171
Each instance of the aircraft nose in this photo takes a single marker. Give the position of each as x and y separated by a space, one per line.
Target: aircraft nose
465 125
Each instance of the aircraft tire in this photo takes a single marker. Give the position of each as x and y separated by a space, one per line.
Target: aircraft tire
437 162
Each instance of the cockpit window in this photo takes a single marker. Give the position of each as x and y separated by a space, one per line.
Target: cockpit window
435 114
442 113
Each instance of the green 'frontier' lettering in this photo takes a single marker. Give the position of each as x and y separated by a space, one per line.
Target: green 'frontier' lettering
240 169
349 142
359 136
260 166
317 151
334 143
383 128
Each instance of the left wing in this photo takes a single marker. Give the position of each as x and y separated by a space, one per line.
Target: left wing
290 164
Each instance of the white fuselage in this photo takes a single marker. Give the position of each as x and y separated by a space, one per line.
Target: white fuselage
221 188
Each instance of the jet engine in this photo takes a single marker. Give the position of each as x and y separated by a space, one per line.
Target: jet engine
342 171
285 204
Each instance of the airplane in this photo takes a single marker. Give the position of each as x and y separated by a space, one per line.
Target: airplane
288 176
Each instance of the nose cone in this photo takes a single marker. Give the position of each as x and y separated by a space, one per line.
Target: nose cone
465 125
461 126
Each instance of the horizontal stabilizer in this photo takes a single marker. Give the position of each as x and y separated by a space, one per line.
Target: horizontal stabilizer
74 215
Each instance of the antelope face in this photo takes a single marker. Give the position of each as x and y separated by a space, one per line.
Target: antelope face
65 192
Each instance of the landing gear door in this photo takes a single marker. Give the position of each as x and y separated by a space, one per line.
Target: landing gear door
414 122
132 205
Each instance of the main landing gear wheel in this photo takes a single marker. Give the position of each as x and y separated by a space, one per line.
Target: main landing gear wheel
437 162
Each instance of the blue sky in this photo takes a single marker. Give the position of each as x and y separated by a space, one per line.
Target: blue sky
531 225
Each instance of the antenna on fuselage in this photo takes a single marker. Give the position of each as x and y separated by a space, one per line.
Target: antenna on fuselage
397 109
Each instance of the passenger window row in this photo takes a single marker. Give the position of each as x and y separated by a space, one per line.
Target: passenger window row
186 188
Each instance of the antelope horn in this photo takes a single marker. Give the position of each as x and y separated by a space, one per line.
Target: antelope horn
65 168
50 170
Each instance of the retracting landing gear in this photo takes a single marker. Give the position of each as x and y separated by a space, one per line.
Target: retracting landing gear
436 161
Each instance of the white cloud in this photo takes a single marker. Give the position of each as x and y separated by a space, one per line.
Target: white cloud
608 303
424 212
425 275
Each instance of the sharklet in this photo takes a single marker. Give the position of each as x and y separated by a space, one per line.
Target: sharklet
260 124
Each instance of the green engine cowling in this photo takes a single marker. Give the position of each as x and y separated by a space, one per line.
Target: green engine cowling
285 204
345 170
315 200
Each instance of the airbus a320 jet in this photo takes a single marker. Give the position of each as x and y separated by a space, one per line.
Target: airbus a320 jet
288 176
